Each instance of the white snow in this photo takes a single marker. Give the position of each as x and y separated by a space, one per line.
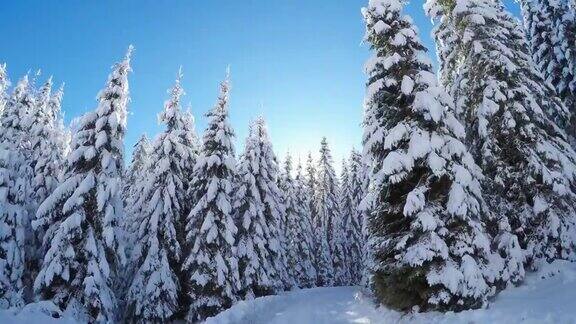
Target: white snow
42 312
546 297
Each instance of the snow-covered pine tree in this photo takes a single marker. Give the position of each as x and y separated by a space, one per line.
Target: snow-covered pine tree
512 119
303 200
15 233
350 196
191 142
155 291
61 133
140 155
46 159
134 183
86 208
311 183
60 144
328 232
299 233
359 180
258 213
427 236
47 143
10 212
210 268
322 258
551 31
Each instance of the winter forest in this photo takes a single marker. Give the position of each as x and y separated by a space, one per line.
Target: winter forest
463 187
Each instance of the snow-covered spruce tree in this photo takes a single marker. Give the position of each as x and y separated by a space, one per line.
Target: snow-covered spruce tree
12 211
511 119
426 228
210 268
190 143
135 178
311 184
299 233
86 208
359 181
140 155
47 143
258 213
59 143
303 197
330 253
46 160
551 31
15 207
134 184
154 295
61 133
350 196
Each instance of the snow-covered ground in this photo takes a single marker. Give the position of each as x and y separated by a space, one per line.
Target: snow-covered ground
548 296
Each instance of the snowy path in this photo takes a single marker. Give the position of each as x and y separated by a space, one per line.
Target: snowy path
336 305
546 297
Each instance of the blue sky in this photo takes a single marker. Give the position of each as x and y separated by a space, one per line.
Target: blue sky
299 63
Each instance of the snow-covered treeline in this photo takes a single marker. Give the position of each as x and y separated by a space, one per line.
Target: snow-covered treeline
184 232
466 181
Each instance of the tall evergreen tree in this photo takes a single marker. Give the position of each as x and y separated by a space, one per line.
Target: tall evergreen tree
359 181
328 232
511 118
134 183
46 160
350 197
155 289
551 31
210 267
61 133
311 184
310 189
259 212
86 208
427 234
299 233
16 177
140 156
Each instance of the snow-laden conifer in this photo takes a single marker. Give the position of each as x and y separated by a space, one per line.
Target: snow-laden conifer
46 160
426 228
329 253
48 142
159 213
16 176
210 268
299 233
512 120
84 211
359 181
61 133
310 182
140 156
350 196
259 211
551 31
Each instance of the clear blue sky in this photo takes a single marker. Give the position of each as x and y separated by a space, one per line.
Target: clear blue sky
299 62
